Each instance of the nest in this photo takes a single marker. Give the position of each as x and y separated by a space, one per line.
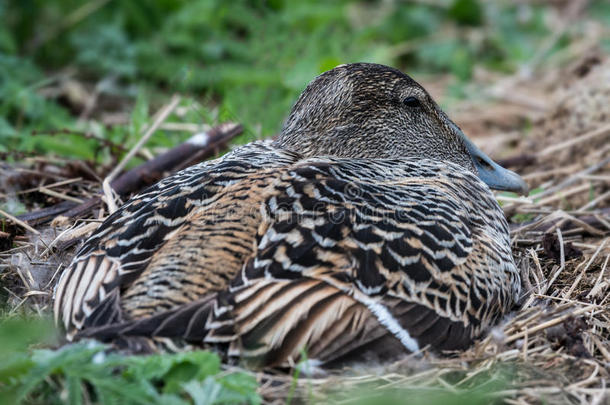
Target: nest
554 349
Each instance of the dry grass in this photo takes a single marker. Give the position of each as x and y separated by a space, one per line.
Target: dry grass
554 349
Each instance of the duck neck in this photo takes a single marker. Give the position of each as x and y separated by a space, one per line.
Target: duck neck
342 141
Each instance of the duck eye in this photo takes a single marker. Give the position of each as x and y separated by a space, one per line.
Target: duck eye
411 102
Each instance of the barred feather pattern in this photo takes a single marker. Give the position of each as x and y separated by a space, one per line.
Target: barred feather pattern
262 254
115 256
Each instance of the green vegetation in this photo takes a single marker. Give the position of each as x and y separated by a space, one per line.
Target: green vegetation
85 370
244 60
87 373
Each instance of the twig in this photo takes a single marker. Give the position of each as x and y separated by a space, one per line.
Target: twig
560 194
198 148
56 184
602 131
595 201
161 116
584 270
52 193
44 214
216 139
592 223
71 233
549 323
562 262
19 222
598 282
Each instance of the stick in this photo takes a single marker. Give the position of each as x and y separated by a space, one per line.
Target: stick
584 270
592 223
196 149
52 193
217 138
574 178
605 130
548 324
162 116
44 214
19 222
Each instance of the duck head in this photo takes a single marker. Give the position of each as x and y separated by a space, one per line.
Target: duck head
374 111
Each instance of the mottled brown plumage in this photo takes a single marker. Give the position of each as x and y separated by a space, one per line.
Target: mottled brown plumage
363 231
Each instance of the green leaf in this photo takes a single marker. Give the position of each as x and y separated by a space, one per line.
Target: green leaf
75 390
17 333
239 387
139 116
104 48
466 12
14 366
206 393
234 388
179 374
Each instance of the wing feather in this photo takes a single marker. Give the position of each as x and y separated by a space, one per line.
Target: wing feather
392 245
124 245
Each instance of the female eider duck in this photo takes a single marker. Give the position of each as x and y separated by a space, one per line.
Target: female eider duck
367 229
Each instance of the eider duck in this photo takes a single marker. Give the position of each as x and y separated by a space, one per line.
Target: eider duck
366 230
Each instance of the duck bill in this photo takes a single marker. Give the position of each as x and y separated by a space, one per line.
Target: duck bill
491 173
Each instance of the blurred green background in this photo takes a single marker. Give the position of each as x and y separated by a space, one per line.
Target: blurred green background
103 66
